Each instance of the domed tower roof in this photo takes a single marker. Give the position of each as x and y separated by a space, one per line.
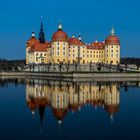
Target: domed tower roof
32 106
32 40
60 35
60 114
111 109
112 39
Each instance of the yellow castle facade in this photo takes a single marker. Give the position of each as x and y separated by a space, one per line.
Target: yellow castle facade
62 49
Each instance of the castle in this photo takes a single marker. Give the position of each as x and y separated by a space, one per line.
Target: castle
62 49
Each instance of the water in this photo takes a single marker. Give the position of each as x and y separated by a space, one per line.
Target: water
39 109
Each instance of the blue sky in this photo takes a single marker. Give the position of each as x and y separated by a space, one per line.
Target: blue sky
92 18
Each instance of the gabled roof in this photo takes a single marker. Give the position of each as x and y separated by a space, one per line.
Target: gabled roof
96 45
40 47
75 41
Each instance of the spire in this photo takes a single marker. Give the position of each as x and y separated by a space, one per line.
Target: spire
60 27
41 114
41 34
112 31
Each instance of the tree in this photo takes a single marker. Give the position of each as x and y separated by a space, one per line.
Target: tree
90 66
54 66
99 66
60 66
76 65
110 65
67 66
49 66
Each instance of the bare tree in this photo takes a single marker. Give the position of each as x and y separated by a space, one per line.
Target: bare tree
90 66
68 66
110 65
99 66
49 66
76 65
60 66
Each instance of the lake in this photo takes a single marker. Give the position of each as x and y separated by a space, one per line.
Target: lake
40 110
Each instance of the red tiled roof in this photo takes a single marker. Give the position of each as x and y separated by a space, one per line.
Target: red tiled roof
112 40
96 45
60 35
40 47
31 42
75 41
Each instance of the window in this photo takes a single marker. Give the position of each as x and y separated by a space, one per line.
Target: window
64 43
63 53
117 51
112 51
117 55
57 48
63 48
111 46
111 55
73 55
57 53
58 43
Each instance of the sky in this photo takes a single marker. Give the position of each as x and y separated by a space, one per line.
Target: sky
93 19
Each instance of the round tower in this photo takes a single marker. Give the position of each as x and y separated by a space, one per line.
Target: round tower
112 100
112 49
60 46
29 44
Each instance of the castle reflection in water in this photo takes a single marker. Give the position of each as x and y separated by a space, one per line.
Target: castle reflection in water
64 97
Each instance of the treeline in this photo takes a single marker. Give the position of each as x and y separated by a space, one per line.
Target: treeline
130 60
8 65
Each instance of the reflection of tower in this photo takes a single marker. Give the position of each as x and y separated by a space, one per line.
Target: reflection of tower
112 100
59 102
74 98
38 97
